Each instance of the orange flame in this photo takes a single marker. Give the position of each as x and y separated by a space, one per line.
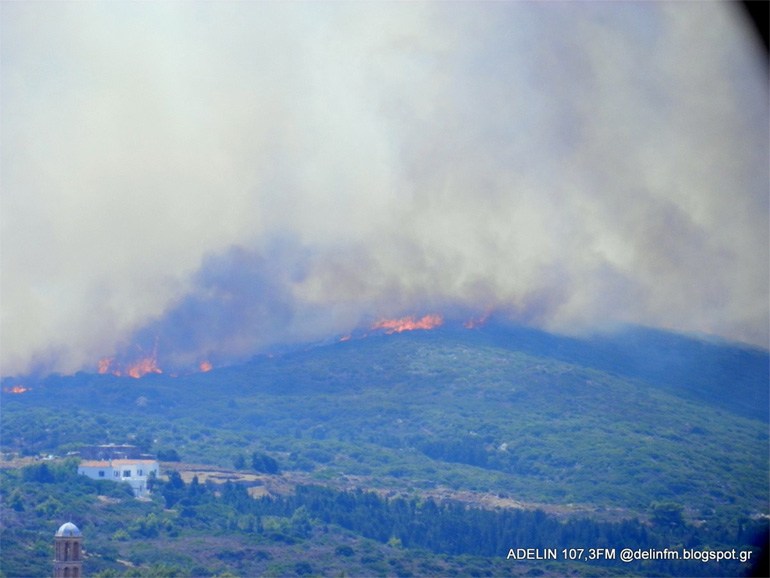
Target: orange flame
16 389
475 322
205 366
104 365
142 367
139 368
409 323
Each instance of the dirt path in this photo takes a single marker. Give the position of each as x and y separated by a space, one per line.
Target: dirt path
285 483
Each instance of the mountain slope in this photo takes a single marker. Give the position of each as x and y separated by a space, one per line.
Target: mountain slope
730 376
524 414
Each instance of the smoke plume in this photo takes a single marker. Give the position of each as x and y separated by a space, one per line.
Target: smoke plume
224 176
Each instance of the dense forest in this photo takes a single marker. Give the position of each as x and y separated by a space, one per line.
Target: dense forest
467 411
448 535
423 454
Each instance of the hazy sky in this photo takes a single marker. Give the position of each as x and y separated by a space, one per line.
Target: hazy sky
227 175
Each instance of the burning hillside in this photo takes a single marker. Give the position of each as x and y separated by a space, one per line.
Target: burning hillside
140 366
408 323
139 362
16 389
136 369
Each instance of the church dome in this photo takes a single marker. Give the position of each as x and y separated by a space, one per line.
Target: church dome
68 530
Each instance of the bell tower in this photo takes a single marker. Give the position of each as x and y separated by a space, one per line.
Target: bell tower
68 552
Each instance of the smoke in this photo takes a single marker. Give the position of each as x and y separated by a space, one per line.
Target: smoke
224 176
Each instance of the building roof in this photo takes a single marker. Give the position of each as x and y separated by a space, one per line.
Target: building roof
132 462
94 464
68 530
116 463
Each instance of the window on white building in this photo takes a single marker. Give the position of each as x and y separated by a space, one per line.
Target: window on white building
126 473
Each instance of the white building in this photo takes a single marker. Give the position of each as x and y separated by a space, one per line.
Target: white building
134 472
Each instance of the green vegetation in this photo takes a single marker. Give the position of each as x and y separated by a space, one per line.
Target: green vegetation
208 530
412 416
422 413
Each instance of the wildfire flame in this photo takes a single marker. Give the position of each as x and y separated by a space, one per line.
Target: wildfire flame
104 365
142 367
408 323
148 363
139 368
16 389
476 321
136 369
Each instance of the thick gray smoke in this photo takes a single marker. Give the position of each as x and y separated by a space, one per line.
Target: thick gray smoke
230 175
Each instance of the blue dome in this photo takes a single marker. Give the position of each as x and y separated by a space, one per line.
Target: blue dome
68 530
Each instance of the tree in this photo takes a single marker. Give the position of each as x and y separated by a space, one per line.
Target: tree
667 514
169 455
263 463
38 473
300 523
174 489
